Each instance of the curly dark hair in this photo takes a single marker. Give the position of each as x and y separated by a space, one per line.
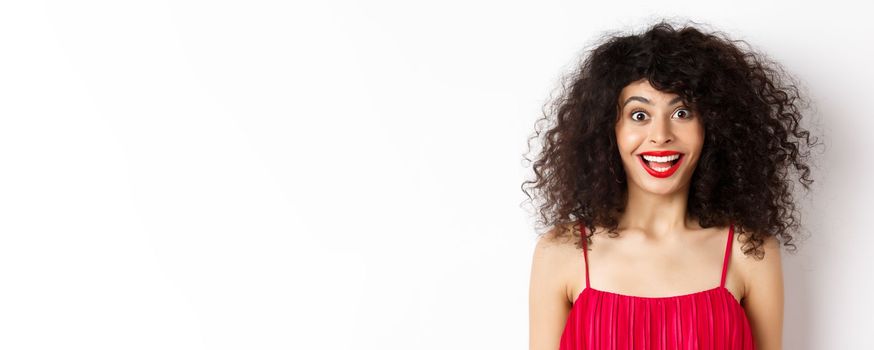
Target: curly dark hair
750 108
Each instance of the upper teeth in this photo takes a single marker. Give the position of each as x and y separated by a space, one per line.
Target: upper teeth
664 159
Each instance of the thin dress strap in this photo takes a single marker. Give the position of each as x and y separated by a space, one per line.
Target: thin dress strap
727 253
585 254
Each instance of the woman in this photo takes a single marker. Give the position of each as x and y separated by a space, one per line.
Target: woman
664 181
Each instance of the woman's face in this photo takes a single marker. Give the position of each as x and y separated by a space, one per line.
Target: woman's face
651 121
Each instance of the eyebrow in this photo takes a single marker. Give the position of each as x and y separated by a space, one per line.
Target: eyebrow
644 100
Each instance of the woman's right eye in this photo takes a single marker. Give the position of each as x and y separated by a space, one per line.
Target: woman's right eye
637 113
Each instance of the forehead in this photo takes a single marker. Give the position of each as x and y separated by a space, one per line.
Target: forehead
643 89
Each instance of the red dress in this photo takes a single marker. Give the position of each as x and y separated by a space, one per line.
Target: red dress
709 319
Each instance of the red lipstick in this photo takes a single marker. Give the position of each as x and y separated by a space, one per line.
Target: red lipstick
660 153
660 174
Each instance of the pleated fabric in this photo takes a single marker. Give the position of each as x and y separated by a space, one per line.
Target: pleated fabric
709 319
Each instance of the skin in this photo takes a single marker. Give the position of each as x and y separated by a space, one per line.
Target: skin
660 250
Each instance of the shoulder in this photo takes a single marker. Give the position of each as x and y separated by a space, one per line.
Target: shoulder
554 259
761 274
764 298
548 305
555 245
553 254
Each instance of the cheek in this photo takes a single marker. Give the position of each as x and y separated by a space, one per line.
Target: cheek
628 140
695 136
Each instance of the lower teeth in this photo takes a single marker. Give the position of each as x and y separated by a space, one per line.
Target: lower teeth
659 169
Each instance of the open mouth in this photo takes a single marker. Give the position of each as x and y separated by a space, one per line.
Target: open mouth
661 166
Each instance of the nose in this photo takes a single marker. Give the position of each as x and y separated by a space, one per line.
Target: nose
660 131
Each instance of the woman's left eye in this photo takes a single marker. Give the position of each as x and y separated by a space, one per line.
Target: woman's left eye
686 114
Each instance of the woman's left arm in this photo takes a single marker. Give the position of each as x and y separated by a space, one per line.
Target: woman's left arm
764 297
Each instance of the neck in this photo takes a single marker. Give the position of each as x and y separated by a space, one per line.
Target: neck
658 215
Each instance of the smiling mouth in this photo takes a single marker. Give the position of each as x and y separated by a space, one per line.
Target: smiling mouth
661 166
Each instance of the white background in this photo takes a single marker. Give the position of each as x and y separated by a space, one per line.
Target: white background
275 175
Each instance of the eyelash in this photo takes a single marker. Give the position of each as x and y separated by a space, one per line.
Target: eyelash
641 110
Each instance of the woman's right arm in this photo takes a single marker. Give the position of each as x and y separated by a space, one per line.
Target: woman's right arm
548 305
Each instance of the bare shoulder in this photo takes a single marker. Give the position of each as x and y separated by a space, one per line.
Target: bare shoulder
547 298
764 272
554 247
764 298
557 254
